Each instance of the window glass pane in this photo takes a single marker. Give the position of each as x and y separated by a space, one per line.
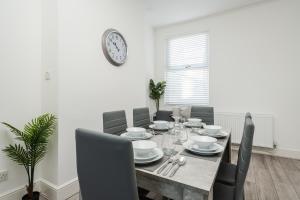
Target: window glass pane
188 85
191 50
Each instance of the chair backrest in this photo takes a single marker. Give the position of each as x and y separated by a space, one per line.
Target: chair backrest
204 113
141 117
164 115
248 115
105 166
114 122
244 157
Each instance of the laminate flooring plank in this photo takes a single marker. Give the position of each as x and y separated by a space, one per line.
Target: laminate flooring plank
292 172
264 183
250 191
282 183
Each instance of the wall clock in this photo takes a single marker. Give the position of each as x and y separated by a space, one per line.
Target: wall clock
114 47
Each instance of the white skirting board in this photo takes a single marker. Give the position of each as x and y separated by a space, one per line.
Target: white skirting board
264 127
49 191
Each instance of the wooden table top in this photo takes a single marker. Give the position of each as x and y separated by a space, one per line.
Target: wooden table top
197 174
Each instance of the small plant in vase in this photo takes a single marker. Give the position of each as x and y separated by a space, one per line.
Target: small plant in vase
156 91
32 147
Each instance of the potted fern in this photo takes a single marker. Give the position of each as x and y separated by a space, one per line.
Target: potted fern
32 147
157 91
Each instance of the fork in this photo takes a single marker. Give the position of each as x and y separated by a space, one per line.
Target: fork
171 166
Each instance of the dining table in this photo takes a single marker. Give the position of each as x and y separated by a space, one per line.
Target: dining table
193 181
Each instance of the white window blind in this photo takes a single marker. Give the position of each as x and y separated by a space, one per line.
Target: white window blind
188 75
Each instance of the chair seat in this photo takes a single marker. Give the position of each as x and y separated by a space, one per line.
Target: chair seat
226 173
223 191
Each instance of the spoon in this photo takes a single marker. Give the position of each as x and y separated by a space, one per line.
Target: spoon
180 163
171 159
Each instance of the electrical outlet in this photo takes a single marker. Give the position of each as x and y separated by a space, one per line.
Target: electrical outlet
3 175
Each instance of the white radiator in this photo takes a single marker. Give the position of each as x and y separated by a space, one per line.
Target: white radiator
263 135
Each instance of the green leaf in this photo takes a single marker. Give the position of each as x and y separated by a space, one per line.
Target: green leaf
156 90
18 154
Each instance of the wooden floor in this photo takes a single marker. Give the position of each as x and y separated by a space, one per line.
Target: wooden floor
269 178
272 178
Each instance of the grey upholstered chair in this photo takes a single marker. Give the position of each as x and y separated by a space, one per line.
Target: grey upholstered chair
141 117
164 115
204 113
231 178
227 171
114 122
105 166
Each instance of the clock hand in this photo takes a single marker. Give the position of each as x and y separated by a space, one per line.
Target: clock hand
116 46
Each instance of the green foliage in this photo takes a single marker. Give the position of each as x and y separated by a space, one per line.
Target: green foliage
34 137
157 91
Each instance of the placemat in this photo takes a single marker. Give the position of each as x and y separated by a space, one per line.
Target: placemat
213 158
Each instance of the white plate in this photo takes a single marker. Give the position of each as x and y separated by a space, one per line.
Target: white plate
220 134
145 137
189 124
159 154
152 126
148 157
187 146
211 149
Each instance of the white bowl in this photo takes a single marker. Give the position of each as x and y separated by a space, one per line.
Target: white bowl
143 147
161 124
212 129
194 120
136 131
204 142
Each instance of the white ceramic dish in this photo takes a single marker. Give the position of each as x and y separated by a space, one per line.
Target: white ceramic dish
143 147
136 131
144 137
192 125
187 146
212 148
212 129
159 154
149 156
152 126
195 120
204 142
220 134
161 124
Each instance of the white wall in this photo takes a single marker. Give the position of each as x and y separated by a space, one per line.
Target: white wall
20 75
88 84
254 62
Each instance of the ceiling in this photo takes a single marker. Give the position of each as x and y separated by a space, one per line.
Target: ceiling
164 12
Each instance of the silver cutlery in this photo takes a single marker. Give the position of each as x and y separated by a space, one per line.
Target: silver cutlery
171 166
180 163
171 159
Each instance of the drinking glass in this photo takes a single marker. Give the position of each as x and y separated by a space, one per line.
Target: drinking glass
168 145
181 134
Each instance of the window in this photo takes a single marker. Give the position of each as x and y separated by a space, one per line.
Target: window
187 74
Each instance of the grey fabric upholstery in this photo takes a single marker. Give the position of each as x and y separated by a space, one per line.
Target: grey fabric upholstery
141 117
204 113
164 115
223 192
114 122
236 178
226 173
105 166
244 158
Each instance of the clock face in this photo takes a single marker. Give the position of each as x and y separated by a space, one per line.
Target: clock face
114 47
